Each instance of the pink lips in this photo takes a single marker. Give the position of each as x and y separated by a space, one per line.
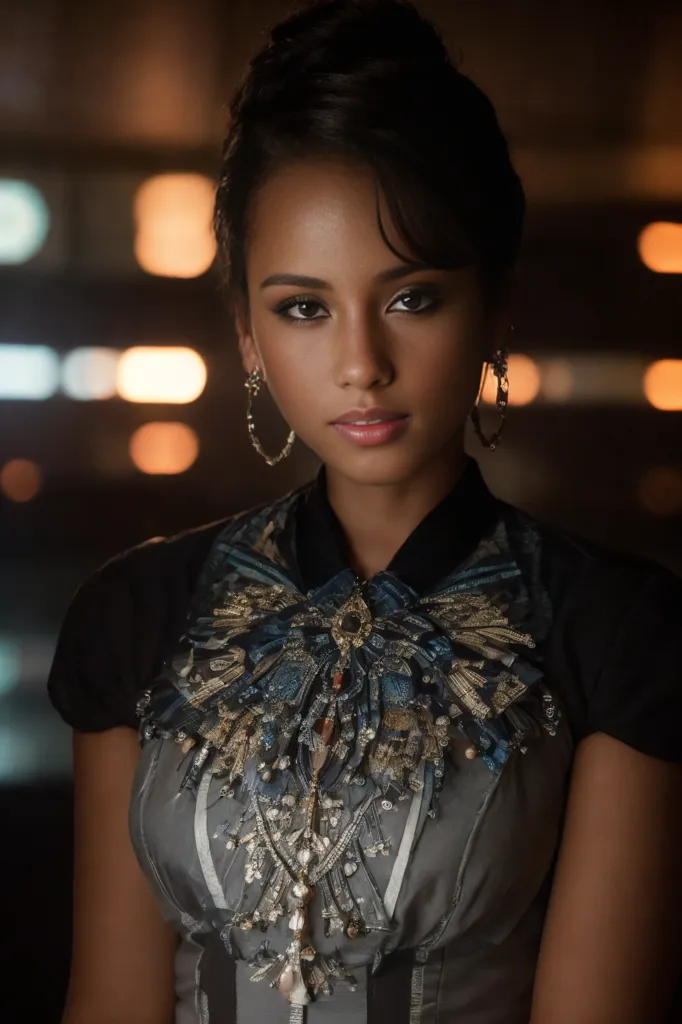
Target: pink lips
371 433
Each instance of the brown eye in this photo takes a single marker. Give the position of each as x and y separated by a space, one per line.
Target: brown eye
306 309
417 300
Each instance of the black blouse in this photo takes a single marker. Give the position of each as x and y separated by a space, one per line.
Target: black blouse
613 653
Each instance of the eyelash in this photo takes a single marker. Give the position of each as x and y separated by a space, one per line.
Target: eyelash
302 300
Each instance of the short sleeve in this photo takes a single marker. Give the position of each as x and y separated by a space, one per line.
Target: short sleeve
120 625
93 677
637 695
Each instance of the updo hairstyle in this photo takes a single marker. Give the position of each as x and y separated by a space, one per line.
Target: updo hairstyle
372 80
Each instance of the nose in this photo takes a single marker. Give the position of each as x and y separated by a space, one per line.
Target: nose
363 357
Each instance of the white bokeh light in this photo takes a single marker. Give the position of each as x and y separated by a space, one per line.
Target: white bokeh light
24 221
90 373
28 371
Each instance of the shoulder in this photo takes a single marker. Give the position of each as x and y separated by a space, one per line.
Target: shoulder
614 649
583 577
157 559
119 624
570 564
165 570
126 617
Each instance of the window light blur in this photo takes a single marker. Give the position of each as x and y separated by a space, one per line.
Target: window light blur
90 373
164 448
28 371
24 221
173 217
20 479
148 374
663 384
660 247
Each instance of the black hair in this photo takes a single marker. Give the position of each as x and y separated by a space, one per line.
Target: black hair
373 80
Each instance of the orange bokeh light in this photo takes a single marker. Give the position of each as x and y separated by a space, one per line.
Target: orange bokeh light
524 381
660 247
20 479
173 216
155 374
662 384
164 448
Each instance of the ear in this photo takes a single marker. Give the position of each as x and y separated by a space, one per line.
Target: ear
247 346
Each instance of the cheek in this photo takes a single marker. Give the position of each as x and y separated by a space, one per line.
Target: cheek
297 373
445 371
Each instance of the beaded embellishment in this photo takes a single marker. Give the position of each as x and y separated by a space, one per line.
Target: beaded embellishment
328 707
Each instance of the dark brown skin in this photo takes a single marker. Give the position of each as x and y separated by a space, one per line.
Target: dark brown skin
610 947
363 346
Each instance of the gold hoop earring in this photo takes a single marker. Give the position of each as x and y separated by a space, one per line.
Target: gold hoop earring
253 384
500 368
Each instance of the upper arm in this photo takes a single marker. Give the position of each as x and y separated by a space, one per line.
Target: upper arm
123 951
611 943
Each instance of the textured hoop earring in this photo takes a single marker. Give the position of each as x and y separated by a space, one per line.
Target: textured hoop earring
500 368
253 384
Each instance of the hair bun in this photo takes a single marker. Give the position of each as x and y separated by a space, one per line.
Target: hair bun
342 36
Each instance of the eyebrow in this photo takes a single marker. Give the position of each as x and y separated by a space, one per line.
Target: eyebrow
303 281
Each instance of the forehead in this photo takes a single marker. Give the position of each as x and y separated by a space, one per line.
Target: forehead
320 210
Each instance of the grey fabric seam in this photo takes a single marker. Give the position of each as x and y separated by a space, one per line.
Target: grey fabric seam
200 997
416 993
395 882
143 836
203 844
428 944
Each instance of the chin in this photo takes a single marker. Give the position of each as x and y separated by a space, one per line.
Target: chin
382 466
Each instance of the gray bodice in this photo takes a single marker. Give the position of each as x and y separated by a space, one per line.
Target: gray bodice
471 900
452 889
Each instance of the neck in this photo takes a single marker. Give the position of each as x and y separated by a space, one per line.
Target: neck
378 518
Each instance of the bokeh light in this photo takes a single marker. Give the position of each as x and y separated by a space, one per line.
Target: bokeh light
173 216
659 491
28 371
164 447
660 247
90 373
10 665
24 221
20 479
558 380
662 384
524 381
174 375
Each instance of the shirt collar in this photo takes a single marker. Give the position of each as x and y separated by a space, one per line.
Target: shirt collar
437 545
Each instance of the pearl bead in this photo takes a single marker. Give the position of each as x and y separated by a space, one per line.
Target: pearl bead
301 891
297 920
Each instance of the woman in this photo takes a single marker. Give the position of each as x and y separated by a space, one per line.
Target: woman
405 753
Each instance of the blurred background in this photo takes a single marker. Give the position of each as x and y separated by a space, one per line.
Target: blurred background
122 406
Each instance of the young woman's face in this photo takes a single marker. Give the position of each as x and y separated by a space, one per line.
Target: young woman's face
342 328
